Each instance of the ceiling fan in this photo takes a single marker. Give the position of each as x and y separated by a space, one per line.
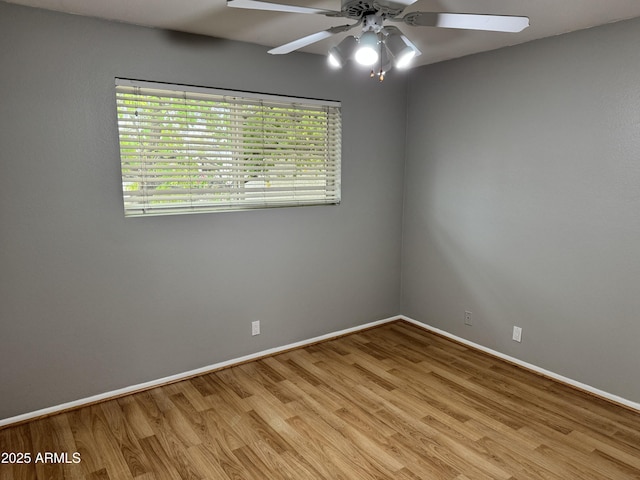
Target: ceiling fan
377 42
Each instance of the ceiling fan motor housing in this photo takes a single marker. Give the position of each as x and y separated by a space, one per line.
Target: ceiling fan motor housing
357 9
373 22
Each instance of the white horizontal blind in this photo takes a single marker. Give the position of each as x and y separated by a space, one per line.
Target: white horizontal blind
186 150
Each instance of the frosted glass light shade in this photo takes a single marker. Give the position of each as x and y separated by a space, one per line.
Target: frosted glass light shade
401 52
339 54
367 52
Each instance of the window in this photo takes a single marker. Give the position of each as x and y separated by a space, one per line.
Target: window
190 149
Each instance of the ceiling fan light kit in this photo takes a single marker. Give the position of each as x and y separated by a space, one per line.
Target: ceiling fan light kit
340 54
387 48
400 50
367 51
379 43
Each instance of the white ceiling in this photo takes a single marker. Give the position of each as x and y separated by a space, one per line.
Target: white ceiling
214 18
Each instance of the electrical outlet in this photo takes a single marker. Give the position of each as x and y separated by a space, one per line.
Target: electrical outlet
467 318
517 334
255 327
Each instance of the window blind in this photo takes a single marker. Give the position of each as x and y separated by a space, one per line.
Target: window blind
189 150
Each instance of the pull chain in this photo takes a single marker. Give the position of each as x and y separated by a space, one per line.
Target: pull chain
381 73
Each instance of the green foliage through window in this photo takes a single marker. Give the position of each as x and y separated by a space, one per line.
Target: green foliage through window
187 150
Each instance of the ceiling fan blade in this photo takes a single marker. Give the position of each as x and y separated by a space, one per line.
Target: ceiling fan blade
467 21
309 39
278 7
400 3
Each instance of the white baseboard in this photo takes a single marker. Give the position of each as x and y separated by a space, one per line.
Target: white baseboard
273 351
181 376
579 385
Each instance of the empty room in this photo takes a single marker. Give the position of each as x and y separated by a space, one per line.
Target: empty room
319 240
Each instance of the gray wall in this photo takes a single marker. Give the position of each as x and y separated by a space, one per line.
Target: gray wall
91 301
521 205
522 202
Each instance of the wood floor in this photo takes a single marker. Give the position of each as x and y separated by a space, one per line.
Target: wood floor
393 402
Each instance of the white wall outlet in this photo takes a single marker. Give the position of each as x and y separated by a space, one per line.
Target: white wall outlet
517 334
467 318
255 327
